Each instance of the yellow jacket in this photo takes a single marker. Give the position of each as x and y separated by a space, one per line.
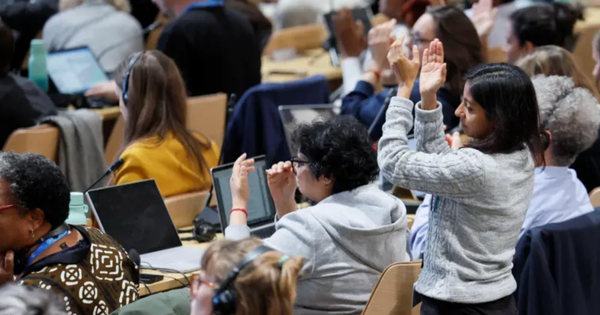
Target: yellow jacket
168 163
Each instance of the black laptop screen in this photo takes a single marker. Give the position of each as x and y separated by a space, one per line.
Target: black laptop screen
136 216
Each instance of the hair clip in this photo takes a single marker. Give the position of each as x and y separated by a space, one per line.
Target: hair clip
283 259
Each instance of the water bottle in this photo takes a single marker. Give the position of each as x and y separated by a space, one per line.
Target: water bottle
38 73
77 210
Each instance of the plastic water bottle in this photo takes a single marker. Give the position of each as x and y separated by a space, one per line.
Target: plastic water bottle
38 73
77 210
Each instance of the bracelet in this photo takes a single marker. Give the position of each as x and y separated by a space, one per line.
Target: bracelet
376 73
239 209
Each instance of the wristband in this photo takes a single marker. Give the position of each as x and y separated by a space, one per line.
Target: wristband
239 209
376 73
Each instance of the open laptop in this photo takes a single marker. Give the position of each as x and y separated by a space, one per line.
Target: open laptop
261 209
74 71
294 115
136 216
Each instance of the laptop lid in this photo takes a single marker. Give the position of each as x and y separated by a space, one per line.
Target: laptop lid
261 209
75 70
294 115
135 215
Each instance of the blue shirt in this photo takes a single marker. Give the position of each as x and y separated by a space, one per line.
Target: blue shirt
558 196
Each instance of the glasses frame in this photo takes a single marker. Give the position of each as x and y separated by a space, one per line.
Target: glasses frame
6 207
197 282
296 162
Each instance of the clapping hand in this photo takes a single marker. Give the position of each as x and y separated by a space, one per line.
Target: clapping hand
240 190
433 74
380 40
7 265
484 17
406 70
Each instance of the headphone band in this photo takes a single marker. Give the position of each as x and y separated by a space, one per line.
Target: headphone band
251 256
132 63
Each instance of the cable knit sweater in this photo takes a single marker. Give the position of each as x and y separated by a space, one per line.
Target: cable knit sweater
478 211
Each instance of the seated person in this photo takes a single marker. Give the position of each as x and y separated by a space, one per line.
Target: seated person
157 143
554 60
540 25
22 102
266 285
214 47
20 300
260 23
462 52
352 233
103 25
87 268
571 117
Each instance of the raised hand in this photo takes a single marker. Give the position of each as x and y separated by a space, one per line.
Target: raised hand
282 184
380 40
351 34
240 190
7 264
406 70
484 17
433 71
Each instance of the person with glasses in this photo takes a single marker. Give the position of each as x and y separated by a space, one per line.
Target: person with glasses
88 269
351 233
463 52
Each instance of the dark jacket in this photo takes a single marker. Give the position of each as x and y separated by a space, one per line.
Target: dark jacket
364 104
557 268
587 167
255 127
22 105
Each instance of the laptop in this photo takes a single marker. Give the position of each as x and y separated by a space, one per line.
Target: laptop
136 216
261 209
362 14
294 115
74 71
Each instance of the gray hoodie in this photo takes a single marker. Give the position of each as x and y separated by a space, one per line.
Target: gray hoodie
347 239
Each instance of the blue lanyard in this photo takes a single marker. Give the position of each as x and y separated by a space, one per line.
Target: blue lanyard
47 243
205 4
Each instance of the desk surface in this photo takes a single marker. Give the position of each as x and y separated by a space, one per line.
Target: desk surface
108 113
312 62
172 280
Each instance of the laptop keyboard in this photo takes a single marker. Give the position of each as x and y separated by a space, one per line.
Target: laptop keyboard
263 233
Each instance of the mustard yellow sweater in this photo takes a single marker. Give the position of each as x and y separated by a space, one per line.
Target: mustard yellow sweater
168 163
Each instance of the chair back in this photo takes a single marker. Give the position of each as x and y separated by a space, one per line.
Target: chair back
595 197
207 115
42 139
184 208
410 219
300 38
394 292
583 50
154 35
115 141
496 54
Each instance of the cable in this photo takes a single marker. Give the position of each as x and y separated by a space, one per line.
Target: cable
163 270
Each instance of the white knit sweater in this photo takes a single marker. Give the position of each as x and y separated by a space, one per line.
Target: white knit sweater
479 210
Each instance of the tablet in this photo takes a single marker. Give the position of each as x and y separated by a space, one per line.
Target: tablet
75 70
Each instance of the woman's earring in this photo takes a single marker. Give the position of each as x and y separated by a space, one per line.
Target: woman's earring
32 234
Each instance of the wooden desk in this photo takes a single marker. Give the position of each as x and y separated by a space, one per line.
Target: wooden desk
313 62
173 280
108 113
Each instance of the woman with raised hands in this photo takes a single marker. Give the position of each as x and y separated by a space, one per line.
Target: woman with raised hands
480 192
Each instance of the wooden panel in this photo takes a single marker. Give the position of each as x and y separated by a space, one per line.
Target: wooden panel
41 139
207 115
184 208
300 37
393 293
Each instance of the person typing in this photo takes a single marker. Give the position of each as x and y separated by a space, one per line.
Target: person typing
352 233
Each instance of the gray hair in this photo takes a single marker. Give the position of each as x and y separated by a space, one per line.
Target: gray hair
21 300
571 114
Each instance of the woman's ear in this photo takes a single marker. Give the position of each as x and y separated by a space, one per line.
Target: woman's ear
35 218
546 139
325 180
529 47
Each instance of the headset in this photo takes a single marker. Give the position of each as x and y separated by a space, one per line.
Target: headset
225 299
135 58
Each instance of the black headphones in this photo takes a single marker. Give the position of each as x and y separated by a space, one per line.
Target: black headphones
225 299
203 231
135 58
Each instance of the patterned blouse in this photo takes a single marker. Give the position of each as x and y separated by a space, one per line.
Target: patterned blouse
95 277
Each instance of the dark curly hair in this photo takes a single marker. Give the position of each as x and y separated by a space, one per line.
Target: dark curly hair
37 182
339 149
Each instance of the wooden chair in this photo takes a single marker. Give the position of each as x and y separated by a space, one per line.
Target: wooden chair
405 194
394 291
184 208
207 115
115 141
583 50
410 219
595 197
496 54
154 35
300 37
42 139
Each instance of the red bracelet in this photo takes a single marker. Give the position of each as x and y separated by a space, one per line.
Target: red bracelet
376 73
239 209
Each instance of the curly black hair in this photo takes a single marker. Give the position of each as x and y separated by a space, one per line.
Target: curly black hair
37 182
339 149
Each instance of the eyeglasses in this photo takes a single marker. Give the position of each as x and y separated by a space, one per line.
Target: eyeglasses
197 283
6 207
417 40
297 162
